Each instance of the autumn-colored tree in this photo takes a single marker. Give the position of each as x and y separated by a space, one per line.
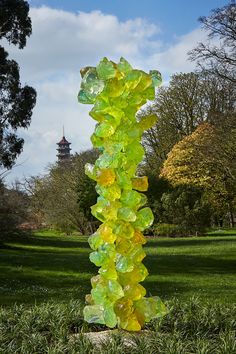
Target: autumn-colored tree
207 158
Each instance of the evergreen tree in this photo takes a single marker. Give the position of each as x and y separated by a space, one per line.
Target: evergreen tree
16 102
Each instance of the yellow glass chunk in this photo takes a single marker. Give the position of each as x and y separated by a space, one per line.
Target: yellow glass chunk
140 183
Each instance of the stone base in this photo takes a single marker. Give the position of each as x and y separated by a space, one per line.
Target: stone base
98 338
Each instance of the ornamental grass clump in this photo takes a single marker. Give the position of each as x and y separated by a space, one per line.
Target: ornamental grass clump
117 91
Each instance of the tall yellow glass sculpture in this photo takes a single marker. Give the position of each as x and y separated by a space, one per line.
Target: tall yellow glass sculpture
117 92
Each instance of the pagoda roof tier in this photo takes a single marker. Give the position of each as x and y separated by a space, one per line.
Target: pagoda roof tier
63 141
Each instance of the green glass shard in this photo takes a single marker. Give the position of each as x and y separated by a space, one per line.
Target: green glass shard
144 219
123 66
126 214
104 130
131 198
106 69
110 318
156 77
94 314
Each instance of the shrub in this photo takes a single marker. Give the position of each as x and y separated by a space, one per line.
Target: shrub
171 230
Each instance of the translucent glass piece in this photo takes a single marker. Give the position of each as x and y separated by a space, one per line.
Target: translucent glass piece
134 291
105 177
124 264
115 290
130 198
150 308
106 69
95 240
147 122
126 214
106 234
104 129
140 183
124 66
144 219
110 318
156 77
110 192
94 314
123 229
90 171
91 86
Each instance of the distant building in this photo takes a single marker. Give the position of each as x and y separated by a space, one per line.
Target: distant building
63 150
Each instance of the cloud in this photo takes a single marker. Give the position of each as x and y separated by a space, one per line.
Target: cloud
62 43
175 58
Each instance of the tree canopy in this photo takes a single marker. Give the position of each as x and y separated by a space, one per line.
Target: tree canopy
16 102
218 55
64 196
206 158
189 100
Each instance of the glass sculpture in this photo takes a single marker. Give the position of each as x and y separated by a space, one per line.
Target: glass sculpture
117 91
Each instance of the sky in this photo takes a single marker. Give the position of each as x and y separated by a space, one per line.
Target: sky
70 34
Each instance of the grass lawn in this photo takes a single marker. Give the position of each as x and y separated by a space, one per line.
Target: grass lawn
46 266
45 276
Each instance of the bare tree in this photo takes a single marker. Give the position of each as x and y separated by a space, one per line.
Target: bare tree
218 55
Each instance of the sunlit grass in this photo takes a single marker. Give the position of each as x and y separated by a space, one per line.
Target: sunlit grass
49 266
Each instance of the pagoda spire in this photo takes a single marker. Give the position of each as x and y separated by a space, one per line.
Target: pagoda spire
63 149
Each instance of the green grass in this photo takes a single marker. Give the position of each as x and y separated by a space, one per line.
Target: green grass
47 266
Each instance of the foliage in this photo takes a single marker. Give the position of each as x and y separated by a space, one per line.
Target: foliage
190 327
165 230
16 102
188 101
207 158
15 22
14 205
60 198
184 208
218 55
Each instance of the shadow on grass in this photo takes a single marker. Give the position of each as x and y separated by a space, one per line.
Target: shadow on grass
189 264
42 241
178 242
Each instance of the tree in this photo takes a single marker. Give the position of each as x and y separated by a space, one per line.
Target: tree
180 210
189 100
63 197
179 110
207 158
14 205
16 102
186 207
218 55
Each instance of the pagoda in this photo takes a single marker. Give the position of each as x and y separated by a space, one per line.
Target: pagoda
63 150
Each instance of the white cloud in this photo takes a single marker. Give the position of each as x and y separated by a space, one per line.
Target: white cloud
175 58
62 42
60 45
